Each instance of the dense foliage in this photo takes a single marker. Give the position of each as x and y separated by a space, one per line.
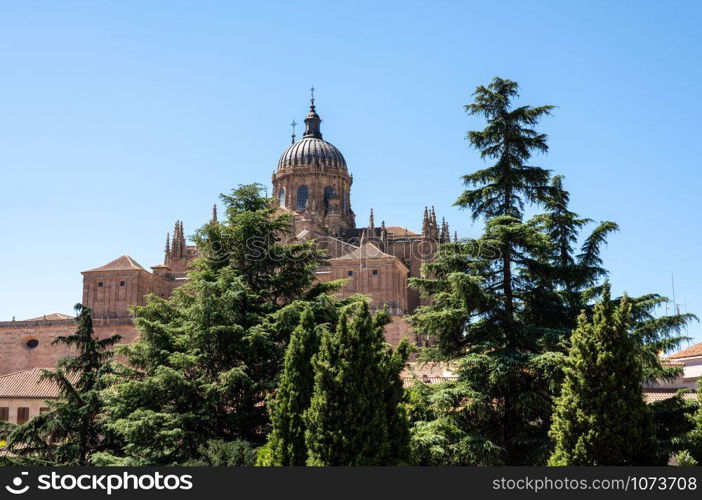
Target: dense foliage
503 305
355 416
600 416
208 357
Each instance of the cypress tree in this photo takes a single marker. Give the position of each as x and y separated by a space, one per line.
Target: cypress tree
601 417
287 439
355 416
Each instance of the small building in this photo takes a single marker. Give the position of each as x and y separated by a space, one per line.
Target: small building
23 395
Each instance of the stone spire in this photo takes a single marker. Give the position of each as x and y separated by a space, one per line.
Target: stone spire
371 224
168 243
176 238
214 213
445 235
455 236
425 223
178 244
312 121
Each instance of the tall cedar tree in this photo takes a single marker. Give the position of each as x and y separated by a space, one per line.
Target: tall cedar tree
71 432
355 415
501 403
286 441
207 358
600 416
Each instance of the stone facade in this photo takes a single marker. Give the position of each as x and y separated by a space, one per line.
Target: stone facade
313 182
28 344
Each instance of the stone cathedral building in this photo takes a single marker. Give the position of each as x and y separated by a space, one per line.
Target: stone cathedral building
312 180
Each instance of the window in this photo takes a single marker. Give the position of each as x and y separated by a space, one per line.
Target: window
43 409
328 195
375 272
302 194
22 415
121 283
4 414
350 273
99 284
281 198
32 343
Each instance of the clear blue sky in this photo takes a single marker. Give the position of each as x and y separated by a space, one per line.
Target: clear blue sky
117 118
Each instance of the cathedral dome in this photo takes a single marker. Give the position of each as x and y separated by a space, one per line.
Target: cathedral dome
312 149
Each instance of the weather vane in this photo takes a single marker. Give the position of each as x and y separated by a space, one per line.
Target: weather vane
293 130
312 94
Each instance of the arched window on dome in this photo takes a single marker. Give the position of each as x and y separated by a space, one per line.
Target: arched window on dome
281 198
302 194
328 196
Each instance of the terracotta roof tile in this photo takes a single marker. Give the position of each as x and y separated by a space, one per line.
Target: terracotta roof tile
690 352
400 230
365 251
653 395
425 379
123 263
26 384
50 317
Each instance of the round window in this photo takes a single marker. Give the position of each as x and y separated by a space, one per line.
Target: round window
32 343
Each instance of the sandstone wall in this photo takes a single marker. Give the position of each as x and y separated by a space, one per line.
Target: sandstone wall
16 354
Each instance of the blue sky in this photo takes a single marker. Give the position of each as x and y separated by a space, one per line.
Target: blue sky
117 118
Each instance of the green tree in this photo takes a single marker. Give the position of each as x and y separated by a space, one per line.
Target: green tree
71 432
481 293
355 415
218 453
287 438
501 190
600 416
564 277
673 421
208 357
691 443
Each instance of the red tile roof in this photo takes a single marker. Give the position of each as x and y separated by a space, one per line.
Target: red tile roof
400 230
425 379
26 384
690 352
123 263
50 317
365 251
653 395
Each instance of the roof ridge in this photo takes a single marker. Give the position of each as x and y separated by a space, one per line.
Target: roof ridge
121 263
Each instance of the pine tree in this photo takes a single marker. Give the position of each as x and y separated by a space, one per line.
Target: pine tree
480 291
355 417
71 432
208 357
287 438
601 417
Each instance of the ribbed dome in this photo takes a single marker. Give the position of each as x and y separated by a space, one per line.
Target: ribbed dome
312 151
